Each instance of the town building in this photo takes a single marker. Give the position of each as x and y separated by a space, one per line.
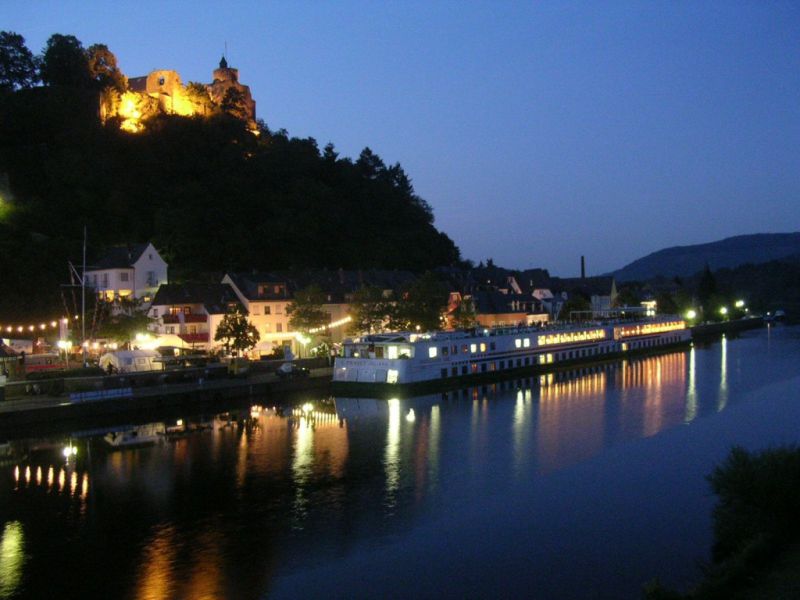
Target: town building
128 272
191 311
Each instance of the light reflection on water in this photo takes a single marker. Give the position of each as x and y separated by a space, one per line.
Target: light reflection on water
225 508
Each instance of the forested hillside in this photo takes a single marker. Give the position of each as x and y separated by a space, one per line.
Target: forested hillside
209 193
683 261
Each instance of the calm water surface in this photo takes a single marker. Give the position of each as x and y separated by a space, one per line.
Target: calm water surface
583 485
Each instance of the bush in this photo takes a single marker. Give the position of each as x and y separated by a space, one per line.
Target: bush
759 496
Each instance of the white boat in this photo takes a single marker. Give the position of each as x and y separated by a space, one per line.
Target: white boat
143 435
405 358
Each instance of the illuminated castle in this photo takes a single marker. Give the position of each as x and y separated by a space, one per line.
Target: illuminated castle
163 92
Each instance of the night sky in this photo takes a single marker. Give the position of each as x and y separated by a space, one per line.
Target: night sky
538 131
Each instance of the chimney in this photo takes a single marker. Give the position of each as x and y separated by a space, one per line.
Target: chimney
583 267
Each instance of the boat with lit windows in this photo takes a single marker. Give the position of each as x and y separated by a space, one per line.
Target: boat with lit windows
389 360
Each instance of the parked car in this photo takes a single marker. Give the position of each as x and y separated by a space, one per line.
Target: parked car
291 371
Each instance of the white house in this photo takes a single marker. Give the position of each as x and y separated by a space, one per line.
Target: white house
191 311
133 271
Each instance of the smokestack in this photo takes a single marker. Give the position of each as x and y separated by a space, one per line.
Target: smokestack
583 267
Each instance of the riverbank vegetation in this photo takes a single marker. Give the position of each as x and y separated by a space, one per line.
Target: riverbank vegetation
756 550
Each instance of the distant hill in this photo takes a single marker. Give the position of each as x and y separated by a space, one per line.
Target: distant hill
728 253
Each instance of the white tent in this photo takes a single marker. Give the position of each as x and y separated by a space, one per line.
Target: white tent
131 361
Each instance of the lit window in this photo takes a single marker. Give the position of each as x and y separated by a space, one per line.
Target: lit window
549 358
526 342
392 375
483 347
542 359
391 352
432 352
279 327
473 348
518 343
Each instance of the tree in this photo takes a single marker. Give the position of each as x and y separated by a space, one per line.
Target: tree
305 311
707 286
197 93
123 324
64 62
575 303
421 305
233 103
236 333
369 310
103 68
17 63
370 164
464 316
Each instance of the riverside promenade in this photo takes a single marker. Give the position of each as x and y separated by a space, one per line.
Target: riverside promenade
27 410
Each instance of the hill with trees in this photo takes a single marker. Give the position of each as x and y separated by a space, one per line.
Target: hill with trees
211 194
684 261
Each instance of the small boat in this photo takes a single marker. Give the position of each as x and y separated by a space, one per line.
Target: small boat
144 435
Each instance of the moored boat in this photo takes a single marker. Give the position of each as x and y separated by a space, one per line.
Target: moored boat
385 361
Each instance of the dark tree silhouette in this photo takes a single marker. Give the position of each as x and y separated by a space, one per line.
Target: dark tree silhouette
64 62
18 67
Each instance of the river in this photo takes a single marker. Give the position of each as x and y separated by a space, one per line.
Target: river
578 485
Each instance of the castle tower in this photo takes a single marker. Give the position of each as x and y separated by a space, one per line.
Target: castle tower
227 78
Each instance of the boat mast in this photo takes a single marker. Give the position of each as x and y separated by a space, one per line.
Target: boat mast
83 299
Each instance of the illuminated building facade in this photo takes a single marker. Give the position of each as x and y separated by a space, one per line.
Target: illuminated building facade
132 272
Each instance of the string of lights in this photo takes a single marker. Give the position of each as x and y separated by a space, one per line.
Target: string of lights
36 327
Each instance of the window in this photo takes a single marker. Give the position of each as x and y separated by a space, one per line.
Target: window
464 370
444 373
279 327
105 280
391 352
445 350
473 348
123 276
492 346
174 310
170 329
155 313
432 352
187 310
464 349
256 310
483 347
392 375
278 309
518 343
526 342
266 309
455 349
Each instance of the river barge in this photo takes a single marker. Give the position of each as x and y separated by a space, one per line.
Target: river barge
382 363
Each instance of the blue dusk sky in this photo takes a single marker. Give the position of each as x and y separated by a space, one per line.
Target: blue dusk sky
538 131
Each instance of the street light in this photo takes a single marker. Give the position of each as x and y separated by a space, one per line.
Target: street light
740 304
724 311
691 314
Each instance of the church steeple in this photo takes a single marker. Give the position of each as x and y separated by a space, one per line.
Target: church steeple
223 64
